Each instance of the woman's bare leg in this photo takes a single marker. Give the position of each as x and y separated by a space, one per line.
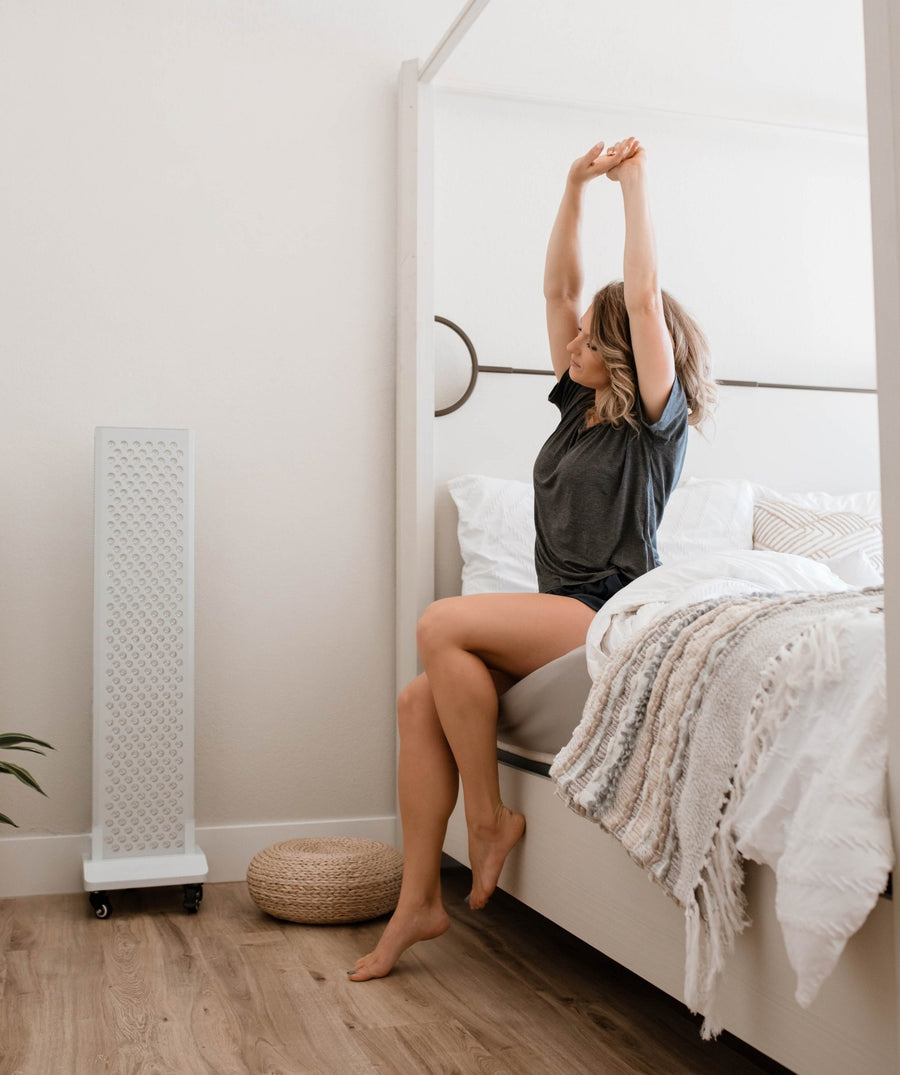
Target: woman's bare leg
460 640
428 785
512 640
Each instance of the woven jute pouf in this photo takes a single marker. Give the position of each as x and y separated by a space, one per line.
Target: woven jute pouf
326 880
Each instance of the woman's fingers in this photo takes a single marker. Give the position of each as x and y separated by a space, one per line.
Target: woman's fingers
626 147
601 159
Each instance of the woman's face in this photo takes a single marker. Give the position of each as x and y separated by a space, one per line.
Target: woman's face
586 364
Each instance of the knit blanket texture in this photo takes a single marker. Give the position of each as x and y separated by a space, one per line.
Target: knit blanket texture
654 757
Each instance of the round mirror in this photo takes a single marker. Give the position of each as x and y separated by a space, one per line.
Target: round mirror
455 367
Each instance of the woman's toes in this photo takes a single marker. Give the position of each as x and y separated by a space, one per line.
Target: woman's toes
404 930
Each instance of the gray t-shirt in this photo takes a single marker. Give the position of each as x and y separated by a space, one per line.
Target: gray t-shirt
599 493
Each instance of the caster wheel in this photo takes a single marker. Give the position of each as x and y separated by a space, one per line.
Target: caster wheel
100 903
193 894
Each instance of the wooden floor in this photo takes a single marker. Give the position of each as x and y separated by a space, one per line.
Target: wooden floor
154 991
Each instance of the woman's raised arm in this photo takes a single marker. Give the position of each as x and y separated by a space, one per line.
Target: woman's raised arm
563 274
650 340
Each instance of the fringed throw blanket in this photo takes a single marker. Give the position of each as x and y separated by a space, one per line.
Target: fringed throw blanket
654 757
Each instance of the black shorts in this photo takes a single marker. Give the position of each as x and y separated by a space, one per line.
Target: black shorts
593 594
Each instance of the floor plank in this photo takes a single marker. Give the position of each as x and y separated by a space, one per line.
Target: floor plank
232 991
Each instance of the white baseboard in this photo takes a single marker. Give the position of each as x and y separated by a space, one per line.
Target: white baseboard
46 865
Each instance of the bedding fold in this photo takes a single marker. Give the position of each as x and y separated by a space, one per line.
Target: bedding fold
813 790
664 732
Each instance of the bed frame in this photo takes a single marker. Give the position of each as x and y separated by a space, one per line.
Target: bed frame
573 873
566 868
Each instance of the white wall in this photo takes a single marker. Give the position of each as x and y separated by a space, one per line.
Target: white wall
198 230
763 232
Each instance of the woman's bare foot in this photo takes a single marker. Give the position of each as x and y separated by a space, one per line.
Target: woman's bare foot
488 847
406 927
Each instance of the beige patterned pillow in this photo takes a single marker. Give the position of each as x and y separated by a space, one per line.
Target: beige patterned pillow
819 535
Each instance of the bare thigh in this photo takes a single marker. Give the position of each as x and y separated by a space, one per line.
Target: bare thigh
512 633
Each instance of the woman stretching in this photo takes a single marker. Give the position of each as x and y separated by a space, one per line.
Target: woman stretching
632 374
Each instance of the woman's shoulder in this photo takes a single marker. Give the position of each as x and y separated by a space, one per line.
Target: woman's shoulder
673 422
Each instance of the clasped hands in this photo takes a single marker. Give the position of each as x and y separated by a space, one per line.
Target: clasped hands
617 161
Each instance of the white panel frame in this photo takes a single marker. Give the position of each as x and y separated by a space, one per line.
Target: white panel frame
154 857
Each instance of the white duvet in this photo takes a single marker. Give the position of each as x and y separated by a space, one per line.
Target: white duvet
719 574
812 801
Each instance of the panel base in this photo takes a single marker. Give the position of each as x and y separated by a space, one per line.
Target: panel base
145 872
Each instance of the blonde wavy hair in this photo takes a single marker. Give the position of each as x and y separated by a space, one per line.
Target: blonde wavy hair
610 333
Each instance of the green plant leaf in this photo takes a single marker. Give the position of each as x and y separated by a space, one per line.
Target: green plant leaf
4 820
13 741
21 774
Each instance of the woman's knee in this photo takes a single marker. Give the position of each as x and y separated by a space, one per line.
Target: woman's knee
438 625
415 705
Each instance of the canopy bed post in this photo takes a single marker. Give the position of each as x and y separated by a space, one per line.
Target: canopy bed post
882 30
461 24
415 365
415 341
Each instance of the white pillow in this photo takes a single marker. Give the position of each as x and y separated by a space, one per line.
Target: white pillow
496 527
867 502
496 534
706 516
783 526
